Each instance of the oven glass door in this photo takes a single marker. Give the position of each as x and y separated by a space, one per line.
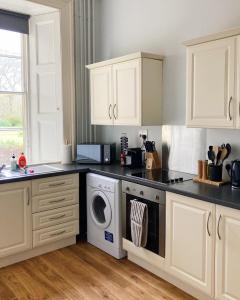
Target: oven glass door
156 227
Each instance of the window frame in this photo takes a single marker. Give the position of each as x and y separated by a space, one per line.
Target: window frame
24 93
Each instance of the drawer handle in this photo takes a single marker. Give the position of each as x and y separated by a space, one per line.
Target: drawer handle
57 217
56 184
56 201
58 233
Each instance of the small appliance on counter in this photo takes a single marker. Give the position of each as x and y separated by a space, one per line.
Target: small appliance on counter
134 158
234 173
96 153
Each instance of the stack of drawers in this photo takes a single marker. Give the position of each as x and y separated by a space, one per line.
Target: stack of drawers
55 208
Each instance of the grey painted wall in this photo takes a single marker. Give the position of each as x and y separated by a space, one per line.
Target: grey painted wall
160 26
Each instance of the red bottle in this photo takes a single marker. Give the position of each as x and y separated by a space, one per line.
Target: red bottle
22 162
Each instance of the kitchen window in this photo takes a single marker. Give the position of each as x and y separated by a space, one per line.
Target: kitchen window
31 110
13 94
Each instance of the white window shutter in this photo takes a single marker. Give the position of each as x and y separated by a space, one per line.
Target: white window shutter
45 97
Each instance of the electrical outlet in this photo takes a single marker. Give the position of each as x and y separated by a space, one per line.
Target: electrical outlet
143 132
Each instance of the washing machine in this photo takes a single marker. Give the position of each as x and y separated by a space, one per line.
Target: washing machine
104 214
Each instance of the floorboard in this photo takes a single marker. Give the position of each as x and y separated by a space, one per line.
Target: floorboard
83 272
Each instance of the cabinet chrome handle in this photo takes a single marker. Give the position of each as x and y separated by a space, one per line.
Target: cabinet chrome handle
239 108
56 184
56 201
218 232
208 231
109 111
57 217
229 108
58 233
114 108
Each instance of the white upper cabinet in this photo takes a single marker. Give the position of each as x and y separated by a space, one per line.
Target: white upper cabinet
211 84
127 90
190 241
227 254
101 96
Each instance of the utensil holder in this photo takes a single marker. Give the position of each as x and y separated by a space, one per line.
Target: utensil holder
215 172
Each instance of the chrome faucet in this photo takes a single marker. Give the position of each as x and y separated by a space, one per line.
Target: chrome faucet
2 167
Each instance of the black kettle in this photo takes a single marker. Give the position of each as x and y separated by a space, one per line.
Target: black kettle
234 173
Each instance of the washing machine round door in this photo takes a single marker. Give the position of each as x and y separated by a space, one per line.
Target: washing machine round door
100 210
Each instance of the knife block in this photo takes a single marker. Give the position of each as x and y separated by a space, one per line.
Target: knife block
152 160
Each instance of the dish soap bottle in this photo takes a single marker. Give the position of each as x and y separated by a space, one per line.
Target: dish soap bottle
13 163
22 161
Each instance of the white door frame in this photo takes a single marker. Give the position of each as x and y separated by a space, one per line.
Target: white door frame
66 9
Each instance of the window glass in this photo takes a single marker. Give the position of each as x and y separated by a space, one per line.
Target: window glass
11 96
11 111
10 43
10 74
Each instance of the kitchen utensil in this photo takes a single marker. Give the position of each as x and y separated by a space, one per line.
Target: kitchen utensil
234 173
215 150
211 155
223 156
219 154
229 149
149 146
153 146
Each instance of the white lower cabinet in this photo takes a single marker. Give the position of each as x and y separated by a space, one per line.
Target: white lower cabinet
190 241
42 212
227 253
15 218
203 246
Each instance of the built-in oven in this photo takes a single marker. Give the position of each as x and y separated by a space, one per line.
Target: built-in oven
156 202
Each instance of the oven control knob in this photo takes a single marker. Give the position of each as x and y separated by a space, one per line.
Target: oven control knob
181 179
157 197
127 189
172 180
176 179
141 193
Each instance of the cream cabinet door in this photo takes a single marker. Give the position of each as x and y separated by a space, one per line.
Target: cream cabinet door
127 92
101 96
238 83
15 218
210 84
190 241
227 254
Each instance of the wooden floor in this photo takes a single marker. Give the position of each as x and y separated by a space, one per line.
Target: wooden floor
82 272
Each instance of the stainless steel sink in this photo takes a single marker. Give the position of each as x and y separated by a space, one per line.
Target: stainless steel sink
31 170
41 169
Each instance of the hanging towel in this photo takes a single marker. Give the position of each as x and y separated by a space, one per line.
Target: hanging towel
139 223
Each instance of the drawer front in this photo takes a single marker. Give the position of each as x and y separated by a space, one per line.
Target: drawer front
55 233
55 216
54 184
55 200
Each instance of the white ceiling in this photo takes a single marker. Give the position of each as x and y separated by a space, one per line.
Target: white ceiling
26 7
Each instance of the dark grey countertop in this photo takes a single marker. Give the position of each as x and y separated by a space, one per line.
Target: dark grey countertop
223 195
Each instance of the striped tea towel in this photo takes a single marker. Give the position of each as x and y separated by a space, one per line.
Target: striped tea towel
139 223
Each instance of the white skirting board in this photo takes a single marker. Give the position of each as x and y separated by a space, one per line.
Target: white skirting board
164 275
9 260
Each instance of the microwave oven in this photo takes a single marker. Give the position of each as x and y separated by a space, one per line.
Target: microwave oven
96 153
